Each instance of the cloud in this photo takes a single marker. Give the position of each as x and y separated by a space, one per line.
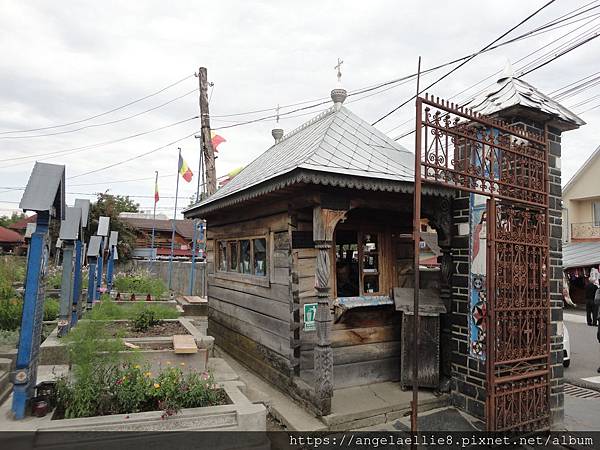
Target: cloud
64 63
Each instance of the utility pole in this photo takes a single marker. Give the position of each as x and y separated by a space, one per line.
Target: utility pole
209 151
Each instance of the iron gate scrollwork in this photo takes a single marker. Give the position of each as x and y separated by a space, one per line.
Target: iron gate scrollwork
464 150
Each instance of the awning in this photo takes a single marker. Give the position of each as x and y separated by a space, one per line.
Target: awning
343 304
581 254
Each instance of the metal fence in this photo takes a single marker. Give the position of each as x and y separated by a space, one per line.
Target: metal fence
181 274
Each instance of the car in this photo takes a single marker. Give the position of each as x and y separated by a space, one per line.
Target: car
566 347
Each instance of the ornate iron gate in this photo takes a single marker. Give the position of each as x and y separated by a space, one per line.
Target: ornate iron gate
464 150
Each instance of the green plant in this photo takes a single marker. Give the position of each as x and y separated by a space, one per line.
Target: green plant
106 380
131 388
95 360
144 320
51 309
54 278
10 313
12 270
107 309
9 338
141 282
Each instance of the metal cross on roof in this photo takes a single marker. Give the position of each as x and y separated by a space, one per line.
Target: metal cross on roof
338 67
277 110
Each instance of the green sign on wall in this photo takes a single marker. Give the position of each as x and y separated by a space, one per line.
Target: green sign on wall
310 312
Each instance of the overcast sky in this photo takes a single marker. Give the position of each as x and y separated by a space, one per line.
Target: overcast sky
66 61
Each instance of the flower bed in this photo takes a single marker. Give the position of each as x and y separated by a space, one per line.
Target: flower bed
236 414
108 309
104 391
131 388
127 329
54 350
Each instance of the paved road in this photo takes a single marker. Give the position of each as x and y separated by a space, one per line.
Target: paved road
585 349
582 414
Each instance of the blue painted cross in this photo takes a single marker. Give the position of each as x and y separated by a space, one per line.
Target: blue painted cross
44 194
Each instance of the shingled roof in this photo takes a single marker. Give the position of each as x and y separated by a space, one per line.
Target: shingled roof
335 142
511 92
185 228
9 236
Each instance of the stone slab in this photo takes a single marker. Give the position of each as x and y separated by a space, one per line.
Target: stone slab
184 344
221 370
361 402
280 405
194 299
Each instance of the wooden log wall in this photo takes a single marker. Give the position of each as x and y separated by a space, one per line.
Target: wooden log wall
249 320
366 343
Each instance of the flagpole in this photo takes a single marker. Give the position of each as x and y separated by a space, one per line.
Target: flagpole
152 256
173 224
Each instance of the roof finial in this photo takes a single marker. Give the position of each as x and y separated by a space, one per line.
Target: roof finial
339 94
277 133
338 67
508 71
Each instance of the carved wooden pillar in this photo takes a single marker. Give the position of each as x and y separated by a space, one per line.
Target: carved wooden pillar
324 222
439 213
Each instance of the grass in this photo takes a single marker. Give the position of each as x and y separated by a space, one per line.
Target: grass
12 270
142 282
11 311
9 339
109 310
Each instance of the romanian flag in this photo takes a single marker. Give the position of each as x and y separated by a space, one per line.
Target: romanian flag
156 196
216 140
184 170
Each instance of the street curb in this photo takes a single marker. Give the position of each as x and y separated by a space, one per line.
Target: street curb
583 384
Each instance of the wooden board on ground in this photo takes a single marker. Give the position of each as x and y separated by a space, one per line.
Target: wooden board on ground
194 299
184 344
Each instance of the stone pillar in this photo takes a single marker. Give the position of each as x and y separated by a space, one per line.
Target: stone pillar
324 222
468 373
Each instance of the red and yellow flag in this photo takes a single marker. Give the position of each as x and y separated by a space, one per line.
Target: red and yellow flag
184 170
216 140
156 196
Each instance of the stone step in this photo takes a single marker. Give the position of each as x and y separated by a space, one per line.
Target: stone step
365 406
193 305
5 364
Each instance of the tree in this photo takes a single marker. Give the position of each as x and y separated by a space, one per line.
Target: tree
111 206
5 221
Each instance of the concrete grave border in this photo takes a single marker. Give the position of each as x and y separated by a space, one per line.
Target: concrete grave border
240 415
54 351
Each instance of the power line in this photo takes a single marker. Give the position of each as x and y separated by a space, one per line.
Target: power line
91 146
542 64
584 102
549 26
104 123
464 62
119 181
522 59
135 157
556 91
590 109
564 52
103 113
